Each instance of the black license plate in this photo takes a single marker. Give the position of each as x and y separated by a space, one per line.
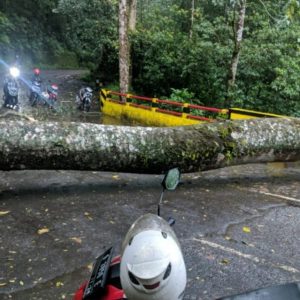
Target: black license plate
97 282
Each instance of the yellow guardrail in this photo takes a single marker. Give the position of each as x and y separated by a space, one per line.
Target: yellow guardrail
240 113
157 112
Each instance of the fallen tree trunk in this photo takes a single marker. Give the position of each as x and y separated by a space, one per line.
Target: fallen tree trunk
84 146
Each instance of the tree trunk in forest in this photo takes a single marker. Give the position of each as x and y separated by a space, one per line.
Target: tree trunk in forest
132 14
132 27
127 21
124 56
238 29
192 18
87 146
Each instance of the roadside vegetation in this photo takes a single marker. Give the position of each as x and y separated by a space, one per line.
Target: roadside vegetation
178 49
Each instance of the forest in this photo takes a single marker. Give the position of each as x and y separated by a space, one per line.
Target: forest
221 53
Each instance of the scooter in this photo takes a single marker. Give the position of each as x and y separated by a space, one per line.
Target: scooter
105 281
11 89
50 95
35 92
86 102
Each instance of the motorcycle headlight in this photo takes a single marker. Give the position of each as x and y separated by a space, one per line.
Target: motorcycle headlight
14 72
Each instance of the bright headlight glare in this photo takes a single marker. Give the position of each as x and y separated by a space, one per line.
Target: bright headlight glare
15 72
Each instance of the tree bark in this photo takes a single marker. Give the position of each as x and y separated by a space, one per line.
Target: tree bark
132 15
84 146
132 28
124 56
238 37
192 18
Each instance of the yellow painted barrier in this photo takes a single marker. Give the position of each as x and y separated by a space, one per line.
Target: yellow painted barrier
149 113
241 114
142 114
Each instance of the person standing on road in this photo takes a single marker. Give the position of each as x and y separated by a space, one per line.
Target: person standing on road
36 76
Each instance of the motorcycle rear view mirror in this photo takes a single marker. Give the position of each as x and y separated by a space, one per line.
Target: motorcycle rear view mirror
169 183
171 179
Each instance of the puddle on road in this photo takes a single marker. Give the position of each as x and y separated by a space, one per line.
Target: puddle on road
67 111
279 169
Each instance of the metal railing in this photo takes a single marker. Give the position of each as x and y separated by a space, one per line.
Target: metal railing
169 107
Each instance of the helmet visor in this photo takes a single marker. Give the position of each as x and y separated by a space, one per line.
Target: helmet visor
148 222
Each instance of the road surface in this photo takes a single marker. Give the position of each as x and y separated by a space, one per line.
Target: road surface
239 227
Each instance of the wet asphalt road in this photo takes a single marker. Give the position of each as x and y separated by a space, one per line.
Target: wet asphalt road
69 82
239 227
57 222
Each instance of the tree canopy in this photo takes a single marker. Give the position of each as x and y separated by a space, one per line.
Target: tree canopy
185 46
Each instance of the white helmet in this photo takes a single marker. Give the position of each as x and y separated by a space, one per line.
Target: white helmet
152 265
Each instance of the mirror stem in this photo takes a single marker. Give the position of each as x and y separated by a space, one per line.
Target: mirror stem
160 202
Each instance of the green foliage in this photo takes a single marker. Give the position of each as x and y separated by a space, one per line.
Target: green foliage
91 28
182 95
167 61
31 30
5 28
166 58
66 59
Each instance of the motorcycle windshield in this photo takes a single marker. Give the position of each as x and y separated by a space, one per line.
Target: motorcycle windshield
148 222
36 83
87 95
36 89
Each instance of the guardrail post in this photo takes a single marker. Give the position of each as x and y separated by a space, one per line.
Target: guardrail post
128 98
186 108
227 112
154 104
103 94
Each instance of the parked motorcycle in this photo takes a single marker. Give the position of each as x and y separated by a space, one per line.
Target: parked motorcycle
35 92
84 99
118 278
11 89
50 95
151 261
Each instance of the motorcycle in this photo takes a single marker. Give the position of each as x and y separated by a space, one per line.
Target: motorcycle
105 282
50 95
35 92
11 89
84 103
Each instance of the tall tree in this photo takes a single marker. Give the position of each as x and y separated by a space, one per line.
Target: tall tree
238 28
132 15
192 17
132 28
127 24
124 49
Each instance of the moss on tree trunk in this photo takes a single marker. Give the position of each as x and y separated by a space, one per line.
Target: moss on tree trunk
84 146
